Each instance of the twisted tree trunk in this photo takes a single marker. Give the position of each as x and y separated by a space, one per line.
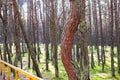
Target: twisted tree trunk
67 38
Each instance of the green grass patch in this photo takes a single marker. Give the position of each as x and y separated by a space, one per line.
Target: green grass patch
95 74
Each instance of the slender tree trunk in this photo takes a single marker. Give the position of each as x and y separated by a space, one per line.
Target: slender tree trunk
37 28
29 32
47 37
5 28
119 37
96 29
33 26
102 39
36 67
62 21
23 46
17 42
90 38
109 12
78 46
55 47
117 34
1 56
112 41
43 20
10 33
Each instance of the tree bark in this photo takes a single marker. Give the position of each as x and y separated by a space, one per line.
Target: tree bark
117 34
112 41
102 39
5 28
84 49
91 38
95 22
33 26
29 29
37 32
67 38
47 37
36 67
55 47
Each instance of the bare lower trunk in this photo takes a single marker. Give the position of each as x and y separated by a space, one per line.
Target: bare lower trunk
102 39
112 42
95 22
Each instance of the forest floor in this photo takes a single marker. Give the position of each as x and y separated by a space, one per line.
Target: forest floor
95 74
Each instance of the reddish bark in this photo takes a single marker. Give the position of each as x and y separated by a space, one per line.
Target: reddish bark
67 38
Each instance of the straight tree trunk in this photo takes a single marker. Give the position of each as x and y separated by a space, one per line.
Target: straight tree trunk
1 56
112 41
119 37
55 47
102 39
47 37
117 34
16 11
62 21
95 22
84 49
37 28
90 38
43 20
10 33
29 32
33 26
109 12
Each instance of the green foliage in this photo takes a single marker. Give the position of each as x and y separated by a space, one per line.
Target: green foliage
57 78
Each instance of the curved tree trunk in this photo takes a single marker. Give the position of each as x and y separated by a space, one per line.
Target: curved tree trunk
67 38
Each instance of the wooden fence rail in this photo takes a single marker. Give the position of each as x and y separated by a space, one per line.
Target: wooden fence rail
17 71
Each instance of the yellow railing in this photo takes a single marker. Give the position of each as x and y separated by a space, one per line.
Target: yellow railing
17 71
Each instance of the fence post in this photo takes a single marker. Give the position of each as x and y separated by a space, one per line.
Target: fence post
3 71
9 70
30 78
0 68
16 75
